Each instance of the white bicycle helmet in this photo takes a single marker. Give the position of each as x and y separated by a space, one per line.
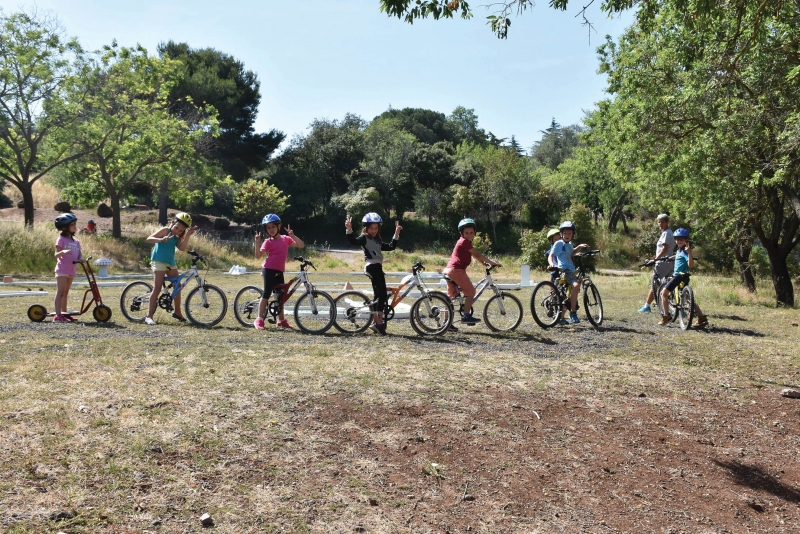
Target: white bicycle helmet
372 217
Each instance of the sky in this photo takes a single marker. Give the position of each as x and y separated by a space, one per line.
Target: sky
325 58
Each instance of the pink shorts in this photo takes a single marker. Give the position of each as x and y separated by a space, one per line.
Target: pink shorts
460 277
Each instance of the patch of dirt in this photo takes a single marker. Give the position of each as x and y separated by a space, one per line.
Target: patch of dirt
488 462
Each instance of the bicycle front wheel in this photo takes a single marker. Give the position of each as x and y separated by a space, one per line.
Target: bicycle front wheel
503 312
545 304
353 313
593 304
206 306
431 315
315 312
135 301
686 307
245 305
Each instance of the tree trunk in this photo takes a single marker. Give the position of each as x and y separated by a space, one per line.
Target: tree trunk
624 221
163 200
26 188
742 252
116 226
781 280
613 219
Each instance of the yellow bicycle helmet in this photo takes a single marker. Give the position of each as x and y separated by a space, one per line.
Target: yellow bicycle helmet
185 218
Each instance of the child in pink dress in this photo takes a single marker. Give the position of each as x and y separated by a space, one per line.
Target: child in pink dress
68 251
276 247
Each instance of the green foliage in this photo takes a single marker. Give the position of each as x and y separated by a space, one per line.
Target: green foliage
357 203
27 252
556 145
645 245
482 243
427 126
254 199
534 246
388 164
463 123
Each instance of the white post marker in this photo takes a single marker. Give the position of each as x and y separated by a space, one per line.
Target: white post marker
525 276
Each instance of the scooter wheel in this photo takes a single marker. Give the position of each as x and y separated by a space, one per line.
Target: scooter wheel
101 313
37 313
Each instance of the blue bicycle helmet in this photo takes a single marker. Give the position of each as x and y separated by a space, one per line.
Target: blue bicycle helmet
64 220
372 217
567 225
466 223
271 218
681 232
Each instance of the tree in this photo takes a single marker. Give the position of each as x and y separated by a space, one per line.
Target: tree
36 67
129 134
255 198
213 78
701 101
463 123
556 145
388 164
427 126
431 171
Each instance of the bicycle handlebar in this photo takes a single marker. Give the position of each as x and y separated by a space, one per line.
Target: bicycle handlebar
650 263
417 267
587 253
81 261
304 263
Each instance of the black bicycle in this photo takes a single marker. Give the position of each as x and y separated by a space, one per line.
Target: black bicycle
549 301
657 281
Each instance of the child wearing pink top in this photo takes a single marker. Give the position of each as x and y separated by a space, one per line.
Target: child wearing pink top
276 247
68 250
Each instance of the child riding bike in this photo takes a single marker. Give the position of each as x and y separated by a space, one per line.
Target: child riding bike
370 242
683 262
276 247
561 257
456 268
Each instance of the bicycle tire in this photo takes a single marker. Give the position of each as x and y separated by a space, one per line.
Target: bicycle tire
317 322
350 319
206 315
505 319
135 301
546 304
37 313
245 306
656 289
101 313
686 307
593 304
440 315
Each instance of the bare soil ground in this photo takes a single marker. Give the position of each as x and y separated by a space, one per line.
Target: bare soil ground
628 428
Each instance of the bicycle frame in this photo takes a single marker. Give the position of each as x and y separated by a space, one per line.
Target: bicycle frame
480 287
181 281
300 279
87 269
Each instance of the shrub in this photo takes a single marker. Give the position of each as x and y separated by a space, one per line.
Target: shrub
254 199
534 246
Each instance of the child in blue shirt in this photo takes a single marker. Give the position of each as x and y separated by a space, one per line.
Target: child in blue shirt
561 257
683 262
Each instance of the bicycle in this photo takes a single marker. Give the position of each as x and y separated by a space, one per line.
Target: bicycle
503 311
680 303
101 312
205 305
431 313
313 311
655 280
549 301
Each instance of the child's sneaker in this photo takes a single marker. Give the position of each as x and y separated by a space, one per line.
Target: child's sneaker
382 329
148 321
467 318
665 320
259 323
181 318
374 328
69 318
563 321
284 324
60 319
645 309
702 321
573 318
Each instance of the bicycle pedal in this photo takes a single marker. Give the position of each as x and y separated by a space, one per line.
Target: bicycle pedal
271 320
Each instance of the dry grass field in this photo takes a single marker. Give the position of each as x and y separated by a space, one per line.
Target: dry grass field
121 427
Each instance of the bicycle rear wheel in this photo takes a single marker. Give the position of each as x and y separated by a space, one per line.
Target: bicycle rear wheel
686 307
315 312
433 315
352 312
669 307
593 304
209 311
545 304
503 312
245 305
135 301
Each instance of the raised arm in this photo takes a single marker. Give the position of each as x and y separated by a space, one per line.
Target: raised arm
184 243
158 236
297 241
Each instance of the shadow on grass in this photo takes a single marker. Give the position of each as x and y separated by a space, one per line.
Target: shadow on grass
728 317
624 329
756 478
106 326
730 331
